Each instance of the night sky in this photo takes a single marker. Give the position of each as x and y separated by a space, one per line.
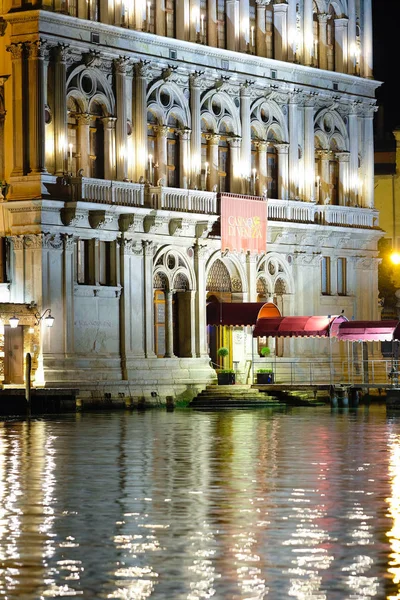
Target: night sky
386 19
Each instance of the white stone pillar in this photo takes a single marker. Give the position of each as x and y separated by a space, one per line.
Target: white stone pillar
280 31
245 168
293 147
309 156
184 170
16 51
142 73
343 158
109 148
36 99
169 325
283 170
354 182
213 158
195 89
83 143
140 14
60 109
195 21
232 24
148 308
352 37
234 170
325 182
212 23
251 269
200 256
160 17
366 40
367 190
323 40
183 16
262 167
161 132
308 39
121 125
341 45
244 26
261 45
292 31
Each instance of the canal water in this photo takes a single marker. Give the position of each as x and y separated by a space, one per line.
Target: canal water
278 504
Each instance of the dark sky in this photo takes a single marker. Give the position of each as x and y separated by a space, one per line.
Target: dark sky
386 20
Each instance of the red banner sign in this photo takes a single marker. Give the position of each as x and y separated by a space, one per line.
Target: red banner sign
243 224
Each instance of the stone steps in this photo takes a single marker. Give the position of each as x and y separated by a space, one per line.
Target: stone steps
232 396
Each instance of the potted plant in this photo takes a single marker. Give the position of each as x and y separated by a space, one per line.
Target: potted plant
265 351
265 376
225 376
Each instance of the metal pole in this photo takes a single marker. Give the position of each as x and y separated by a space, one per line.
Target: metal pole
28 364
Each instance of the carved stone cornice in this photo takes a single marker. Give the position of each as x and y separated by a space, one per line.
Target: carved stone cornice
99 219
181 227
156 224
203 229
70 216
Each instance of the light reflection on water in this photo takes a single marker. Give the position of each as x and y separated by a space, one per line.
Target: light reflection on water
242 505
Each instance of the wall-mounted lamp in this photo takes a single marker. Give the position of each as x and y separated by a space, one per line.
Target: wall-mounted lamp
13 322
49 320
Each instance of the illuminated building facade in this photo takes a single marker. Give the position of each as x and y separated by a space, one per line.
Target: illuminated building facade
122 125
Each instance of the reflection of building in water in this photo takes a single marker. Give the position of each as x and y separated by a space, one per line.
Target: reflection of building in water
122 141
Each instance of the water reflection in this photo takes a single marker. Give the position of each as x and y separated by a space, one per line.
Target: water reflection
183 505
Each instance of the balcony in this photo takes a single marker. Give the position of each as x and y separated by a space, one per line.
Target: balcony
121 193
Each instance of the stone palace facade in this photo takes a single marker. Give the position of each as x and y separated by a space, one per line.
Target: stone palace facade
122 124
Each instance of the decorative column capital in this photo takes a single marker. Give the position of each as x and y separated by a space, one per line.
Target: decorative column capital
213 138
196 80
83 118
16 49
282 148
234 142
61 52
121 65
161 130
184 133
143 69
37 49
262 145
323 18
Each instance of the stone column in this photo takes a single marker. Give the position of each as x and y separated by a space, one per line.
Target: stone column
121 125
325 182
140 15
169 325
251 269
200 256
232 24
36 100
280 31
213 142
148 299
195 21
234 171
244 26
3 79
109 148
354 158
246 131
309 157
293 147
341 45
367 190
366 41
283 171
83 143
195 88
212 23
322 40
261 46
18 115
142 73
292 31
60 109
308 39
343 158
161 132
352 37
184 172
182 19
160 18
262 167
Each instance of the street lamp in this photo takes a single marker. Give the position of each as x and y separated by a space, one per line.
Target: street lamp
49 320
13 322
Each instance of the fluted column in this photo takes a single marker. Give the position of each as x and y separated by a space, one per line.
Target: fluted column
280 31
262 167
232 24
352 37
308 39
169 325
323 40
366 43
16 51
83 143
261 45
341 45
109 148
121 126
309 157
161 132
283 171
142 72
184 172
293 147
244 25
60 108
353 165
212 23
213 142
343 158
234 171
36 99
195 89
246 131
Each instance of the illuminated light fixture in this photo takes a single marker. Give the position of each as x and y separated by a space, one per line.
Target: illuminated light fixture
395 258
49 320
13 322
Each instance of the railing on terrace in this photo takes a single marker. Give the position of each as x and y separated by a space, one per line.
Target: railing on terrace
199 201
325 372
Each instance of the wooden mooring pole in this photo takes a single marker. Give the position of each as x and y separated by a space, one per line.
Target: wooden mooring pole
28 364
